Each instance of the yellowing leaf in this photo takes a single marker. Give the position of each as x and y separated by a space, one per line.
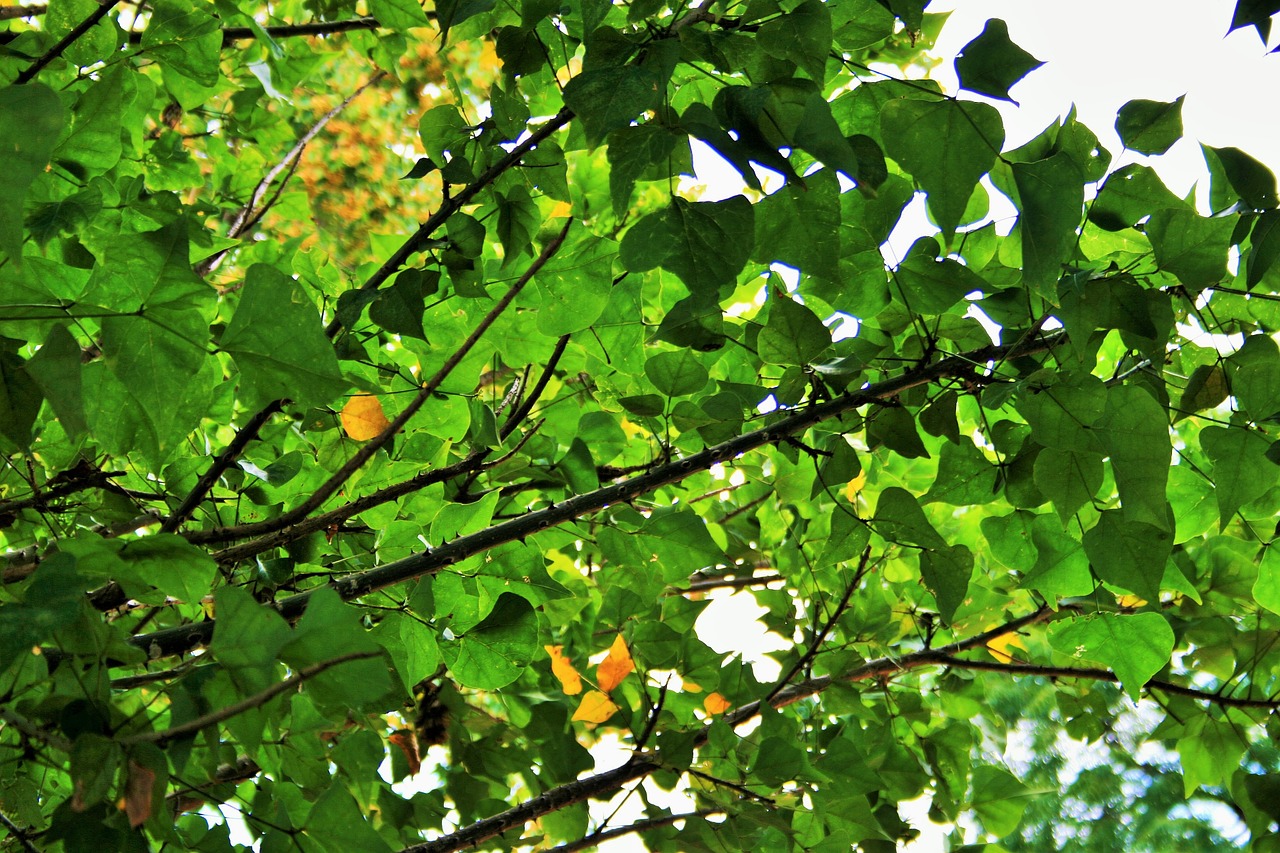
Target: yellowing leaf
595 707
716 704
408 743
561 668
855 485
1130 601
1000 646
688 686
617 666
363 418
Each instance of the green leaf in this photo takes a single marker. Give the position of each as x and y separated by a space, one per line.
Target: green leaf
398 14
277 341
801 35
1135 647
1150 127
965 477
800 226
1264 248
1069 478
1191 247
56 370
1128 554
607 99
493 653
94 138
575 285
934 286
632 151
946 571
947 146
1052 193
335 823
20 399
1253 373
676 374
1266 589
1130 194
31 119
991 63
1242 472
705 243
247 639
999 799
186 38
1253 182
1135 434
793 334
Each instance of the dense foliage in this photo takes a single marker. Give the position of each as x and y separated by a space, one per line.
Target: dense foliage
381 403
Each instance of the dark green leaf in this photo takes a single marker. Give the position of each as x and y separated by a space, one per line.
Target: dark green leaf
1150 127
31 118
991 63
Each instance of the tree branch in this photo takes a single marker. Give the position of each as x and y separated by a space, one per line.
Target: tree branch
191 727
249 212
224 460
326 490
33 731
182 638
321 28
29 73
456 202
16 831
597 838
9 13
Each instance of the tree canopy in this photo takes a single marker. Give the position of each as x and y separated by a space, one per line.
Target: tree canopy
383 402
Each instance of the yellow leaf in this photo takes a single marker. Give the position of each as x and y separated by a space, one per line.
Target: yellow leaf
595 707
363 418
688 686
561 209
615 667
1130 602
570 681
716 704
855 485
1000 646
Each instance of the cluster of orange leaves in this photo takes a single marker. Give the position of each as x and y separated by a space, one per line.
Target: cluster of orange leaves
351 170
595 706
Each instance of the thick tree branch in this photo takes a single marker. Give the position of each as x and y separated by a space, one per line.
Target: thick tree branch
191 727
320 28
29 73
16 832
185 637
31 730
9 13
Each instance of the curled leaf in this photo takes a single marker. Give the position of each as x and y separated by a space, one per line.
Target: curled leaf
616 666
595 707
561 668
363 418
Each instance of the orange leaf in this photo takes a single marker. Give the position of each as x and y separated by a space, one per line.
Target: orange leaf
363 418
615 667
716 704
595 707
561 668
137 794
408 743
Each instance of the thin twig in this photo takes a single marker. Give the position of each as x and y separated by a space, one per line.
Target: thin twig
597 838
31 730
326 490
224 460
29 73
250 209
725 583
190 727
